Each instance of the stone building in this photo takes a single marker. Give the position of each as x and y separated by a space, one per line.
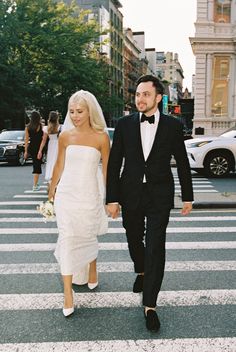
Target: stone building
214 47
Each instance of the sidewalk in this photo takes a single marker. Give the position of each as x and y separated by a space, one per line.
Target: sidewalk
210 200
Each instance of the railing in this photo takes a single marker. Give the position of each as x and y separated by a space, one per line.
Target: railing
221 124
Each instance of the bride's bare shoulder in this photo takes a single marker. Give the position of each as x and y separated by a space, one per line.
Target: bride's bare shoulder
65 137
103 136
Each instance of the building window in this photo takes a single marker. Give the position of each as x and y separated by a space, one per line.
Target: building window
222 11
220 75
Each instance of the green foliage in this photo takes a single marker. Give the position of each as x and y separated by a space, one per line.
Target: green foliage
48 51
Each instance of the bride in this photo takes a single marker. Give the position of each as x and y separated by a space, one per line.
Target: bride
79 204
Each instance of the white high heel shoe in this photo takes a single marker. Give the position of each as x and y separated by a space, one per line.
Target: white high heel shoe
93 285
69 311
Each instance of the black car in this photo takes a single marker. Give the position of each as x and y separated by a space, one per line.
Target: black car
12 146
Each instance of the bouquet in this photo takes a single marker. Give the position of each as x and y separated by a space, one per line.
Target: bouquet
47 210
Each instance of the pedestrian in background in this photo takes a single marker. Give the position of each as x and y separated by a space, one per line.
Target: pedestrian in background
50 133
33 139
146 140
79 205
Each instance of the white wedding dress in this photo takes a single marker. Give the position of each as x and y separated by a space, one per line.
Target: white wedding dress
51 153
80 211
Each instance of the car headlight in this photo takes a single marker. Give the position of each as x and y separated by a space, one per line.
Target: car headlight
198 144
11 147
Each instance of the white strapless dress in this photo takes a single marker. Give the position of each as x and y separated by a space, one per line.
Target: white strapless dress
80 212
51 153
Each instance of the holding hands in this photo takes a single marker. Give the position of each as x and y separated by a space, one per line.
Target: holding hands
113 210
187 207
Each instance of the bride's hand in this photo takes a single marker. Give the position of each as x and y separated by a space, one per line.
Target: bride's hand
51 194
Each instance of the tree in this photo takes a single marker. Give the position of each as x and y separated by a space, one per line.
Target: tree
48 52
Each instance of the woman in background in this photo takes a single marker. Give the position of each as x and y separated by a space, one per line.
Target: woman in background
33 138
51 132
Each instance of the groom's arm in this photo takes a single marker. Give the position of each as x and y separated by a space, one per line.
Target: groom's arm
114 166
183 169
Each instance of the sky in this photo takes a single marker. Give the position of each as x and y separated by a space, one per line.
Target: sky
167 24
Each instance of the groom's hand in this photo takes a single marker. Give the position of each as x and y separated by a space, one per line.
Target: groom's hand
113 210
187 207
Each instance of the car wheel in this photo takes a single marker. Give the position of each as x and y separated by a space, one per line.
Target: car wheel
21 159
217 164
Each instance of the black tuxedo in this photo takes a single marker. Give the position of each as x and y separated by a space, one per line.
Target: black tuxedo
152 200
127 144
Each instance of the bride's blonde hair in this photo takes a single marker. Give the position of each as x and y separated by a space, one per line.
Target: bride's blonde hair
96 117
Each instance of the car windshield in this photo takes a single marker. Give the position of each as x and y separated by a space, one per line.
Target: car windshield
229 134
12 136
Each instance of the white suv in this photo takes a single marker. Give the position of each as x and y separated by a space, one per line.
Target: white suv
213 156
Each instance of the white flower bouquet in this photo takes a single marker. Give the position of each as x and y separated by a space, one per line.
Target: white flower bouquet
47 210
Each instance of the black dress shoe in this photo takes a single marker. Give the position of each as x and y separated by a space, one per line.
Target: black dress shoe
138 284
152 320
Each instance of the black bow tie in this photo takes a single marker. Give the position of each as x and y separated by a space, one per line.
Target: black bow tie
150 119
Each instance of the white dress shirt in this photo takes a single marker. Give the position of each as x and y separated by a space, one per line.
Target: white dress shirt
148 132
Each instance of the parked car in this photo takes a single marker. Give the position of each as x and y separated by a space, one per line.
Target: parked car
213 156
110 131
12 147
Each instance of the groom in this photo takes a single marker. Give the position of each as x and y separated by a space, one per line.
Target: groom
144 187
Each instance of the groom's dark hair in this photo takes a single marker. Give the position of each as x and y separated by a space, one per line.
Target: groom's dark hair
155 81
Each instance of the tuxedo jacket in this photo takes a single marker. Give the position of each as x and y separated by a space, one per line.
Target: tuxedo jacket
127 166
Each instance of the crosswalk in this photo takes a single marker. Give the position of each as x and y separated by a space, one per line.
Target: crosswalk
196 305
200 185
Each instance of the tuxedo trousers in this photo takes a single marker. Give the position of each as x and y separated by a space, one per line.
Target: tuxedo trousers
146 236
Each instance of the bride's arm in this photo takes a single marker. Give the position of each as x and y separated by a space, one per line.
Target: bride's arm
59 165
105 150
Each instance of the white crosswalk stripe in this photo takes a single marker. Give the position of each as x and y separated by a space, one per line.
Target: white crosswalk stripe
117 299
53 268
218 344
178 219
172 230
35 247
20 220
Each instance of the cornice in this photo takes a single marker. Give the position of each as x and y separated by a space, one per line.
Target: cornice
213 45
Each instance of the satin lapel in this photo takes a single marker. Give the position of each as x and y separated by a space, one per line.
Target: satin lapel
158 135
138 134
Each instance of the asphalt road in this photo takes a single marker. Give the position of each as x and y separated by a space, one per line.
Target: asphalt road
196 305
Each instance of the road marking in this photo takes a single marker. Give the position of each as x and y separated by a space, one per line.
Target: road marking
194 211
26 202
205 218
175 230
218 344
197 186
116 246
116 299
172 230
203 191
32 219
115 267
30 196
172 219
18 211
33 192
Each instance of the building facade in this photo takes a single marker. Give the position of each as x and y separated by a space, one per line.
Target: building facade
132 69
108 15
169 70
214 47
